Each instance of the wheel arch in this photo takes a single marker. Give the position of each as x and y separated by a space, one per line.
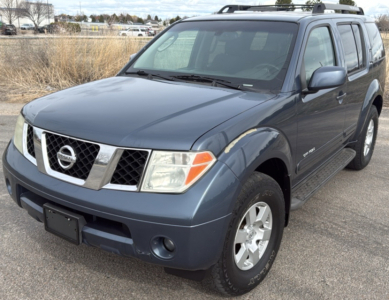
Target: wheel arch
276 169
378 103
264 150
373 97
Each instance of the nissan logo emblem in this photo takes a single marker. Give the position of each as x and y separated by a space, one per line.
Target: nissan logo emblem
66 157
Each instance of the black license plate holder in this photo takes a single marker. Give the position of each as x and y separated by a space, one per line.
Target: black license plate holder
63 223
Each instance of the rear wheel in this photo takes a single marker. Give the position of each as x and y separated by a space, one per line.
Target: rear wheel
253 237
365 146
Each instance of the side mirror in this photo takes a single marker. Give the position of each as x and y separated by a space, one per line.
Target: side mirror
132 56
326 78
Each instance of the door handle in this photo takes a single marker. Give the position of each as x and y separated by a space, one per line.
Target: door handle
340 98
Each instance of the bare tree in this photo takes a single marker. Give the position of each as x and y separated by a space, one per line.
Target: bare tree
36 11
9 9
383 22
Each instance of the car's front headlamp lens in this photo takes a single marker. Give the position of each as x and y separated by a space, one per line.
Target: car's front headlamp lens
174 172
18 136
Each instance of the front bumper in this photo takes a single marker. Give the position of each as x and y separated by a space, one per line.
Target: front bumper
127 223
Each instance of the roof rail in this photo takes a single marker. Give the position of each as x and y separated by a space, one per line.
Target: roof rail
275 7
318 8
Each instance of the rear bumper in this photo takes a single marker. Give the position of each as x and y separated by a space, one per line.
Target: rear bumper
128 223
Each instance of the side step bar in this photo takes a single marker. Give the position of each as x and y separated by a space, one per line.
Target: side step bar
311 185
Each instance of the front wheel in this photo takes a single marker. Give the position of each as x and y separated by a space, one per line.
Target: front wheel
365 146
253 237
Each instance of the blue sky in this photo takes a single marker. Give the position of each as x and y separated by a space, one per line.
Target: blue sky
172 8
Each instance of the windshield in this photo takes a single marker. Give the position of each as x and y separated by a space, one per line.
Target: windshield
249 53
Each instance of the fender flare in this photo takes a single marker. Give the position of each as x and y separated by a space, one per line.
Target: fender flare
254 147
373 92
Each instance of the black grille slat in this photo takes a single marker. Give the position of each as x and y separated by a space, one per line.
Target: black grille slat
86 154
30 141
130 167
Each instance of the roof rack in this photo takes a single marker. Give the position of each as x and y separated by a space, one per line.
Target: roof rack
318 8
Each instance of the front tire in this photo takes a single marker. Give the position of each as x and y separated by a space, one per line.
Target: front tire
365 146
253 238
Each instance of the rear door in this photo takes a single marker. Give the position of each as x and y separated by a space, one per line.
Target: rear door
352 40
320 115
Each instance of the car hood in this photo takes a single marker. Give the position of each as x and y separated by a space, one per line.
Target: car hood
139 112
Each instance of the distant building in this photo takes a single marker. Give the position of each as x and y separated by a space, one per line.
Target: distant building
20 20
152 23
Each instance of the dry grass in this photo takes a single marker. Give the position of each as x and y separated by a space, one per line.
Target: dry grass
31 68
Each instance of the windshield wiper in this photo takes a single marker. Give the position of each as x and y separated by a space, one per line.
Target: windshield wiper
150 75
212 80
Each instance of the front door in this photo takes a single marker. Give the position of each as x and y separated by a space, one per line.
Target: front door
320 115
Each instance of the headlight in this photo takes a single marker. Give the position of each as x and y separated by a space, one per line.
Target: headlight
18 136
175 172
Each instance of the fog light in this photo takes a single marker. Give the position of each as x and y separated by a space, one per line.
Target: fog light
163 247
9 188
169 245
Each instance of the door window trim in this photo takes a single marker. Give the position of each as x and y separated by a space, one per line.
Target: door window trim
302 53
363 42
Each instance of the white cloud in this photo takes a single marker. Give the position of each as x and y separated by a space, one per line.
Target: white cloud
172 8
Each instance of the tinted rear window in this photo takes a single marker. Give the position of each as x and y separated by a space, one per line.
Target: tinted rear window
360 45
349 46
377 47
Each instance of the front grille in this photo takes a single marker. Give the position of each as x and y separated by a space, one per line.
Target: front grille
30 141
86 154
130 167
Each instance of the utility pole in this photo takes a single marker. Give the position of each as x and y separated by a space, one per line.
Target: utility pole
48 12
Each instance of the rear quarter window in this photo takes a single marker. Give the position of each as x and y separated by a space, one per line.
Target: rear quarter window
350 47
377 47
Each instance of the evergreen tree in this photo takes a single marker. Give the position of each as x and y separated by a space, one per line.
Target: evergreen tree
129 18
278 2
347 2
285 2
311 2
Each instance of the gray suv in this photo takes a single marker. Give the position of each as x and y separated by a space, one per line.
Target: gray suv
195 154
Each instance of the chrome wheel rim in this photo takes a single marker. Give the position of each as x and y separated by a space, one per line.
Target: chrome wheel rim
369 138
252 236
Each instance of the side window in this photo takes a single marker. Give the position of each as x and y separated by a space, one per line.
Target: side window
350 48
377 50
319 51
360 45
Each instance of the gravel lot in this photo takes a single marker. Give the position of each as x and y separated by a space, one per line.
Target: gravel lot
336 247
